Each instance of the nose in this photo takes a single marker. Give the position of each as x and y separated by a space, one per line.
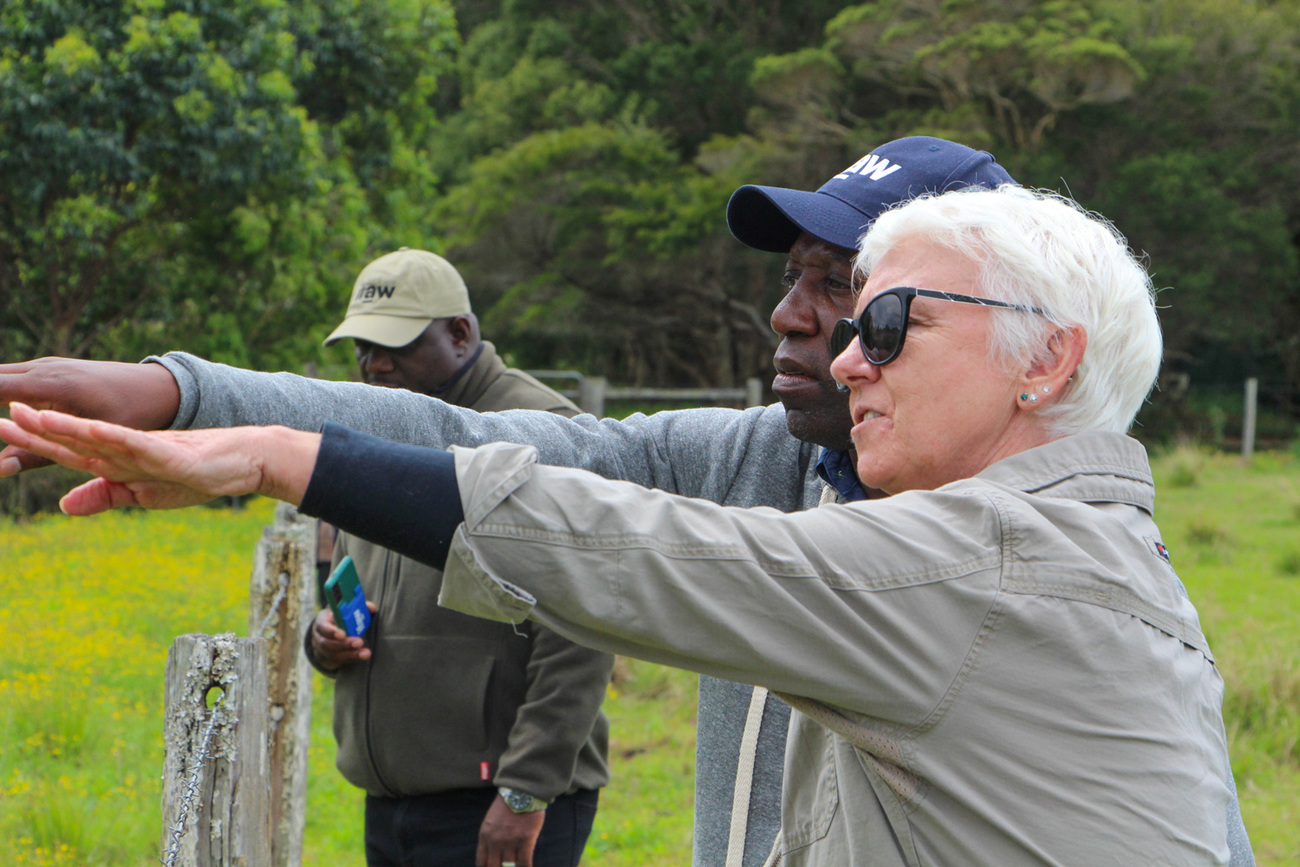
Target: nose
372 359
796 313
851 367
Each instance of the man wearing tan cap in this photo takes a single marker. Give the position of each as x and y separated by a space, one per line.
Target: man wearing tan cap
476 742
411 319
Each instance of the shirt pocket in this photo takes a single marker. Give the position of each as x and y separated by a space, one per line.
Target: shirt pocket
812 792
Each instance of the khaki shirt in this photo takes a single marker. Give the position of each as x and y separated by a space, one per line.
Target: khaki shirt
1002 671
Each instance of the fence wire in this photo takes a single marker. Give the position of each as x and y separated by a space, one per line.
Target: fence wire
192 785
275 606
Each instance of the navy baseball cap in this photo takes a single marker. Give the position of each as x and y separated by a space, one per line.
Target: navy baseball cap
771 218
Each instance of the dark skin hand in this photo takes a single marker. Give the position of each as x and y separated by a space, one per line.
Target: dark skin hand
506 836
334 648
142 396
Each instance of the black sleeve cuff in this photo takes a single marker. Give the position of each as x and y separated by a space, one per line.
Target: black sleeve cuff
401 497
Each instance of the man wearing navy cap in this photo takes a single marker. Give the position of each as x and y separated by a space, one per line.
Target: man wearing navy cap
820 232
737 458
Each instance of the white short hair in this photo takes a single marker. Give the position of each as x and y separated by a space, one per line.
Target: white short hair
1040 249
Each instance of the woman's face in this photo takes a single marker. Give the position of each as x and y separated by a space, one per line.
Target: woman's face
938 412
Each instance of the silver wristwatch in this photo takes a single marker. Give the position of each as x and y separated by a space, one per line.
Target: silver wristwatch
521 802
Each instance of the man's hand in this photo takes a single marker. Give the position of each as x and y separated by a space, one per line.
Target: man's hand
164 469
506 837
142 396
334 648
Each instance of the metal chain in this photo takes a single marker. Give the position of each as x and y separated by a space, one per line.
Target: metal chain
275 605
191 788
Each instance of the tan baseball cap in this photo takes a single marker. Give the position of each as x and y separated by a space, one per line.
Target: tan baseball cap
398 295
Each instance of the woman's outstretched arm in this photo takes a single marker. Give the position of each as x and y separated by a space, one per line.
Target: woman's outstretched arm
164 469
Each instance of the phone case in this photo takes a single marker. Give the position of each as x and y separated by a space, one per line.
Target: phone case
346 599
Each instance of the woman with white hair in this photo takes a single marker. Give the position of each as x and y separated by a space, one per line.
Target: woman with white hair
995 665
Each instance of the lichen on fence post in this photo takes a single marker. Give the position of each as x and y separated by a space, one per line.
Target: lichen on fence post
282 602
215 774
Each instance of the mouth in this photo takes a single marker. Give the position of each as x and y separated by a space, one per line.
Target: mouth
865 416
790 367
793 387
792 375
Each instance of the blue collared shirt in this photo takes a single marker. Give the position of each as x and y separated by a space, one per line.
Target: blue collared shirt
836 469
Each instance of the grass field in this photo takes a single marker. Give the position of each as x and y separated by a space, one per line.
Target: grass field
90 608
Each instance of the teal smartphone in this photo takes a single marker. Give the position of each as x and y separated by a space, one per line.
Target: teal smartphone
346 599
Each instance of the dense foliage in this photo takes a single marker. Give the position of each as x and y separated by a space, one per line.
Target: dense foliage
186 173
202 174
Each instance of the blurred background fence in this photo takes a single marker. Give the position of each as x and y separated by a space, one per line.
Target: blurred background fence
1215 415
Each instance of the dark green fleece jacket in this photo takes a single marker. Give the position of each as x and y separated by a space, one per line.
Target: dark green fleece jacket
449 701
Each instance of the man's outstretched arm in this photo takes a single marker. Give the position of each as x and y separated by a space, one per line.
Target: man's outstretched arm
143 396
707 452
726 455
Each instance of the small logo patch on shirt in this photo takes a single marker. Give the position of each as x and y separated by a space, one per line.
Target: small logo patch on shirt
483 771
1159 547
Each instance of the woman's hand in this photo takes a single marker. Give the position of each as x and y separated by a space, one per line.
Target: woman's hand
164 469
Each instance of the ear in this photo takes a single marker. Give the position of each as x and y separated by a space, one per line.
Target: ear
461 331
1044 381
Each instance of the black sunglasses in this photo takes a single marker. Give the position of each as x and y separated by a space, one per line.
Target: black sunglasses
882 327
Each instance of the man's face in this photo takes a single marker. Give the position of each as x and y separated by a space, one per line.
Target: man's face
423 365
819 284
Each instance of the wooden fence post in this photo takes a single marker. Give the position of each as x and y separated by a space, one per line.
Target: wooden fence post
282 602
591 395
215 771
1248 424
753 391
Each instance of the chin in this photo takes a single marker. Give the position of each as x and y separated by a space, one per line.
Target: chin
816 428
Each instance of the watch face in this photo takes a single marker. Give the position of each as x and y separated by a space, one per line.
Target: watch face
518 801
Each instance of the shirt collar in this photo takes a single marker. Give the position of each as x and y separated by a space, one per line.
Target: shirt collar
448 390
1094 466
837 470
1101 467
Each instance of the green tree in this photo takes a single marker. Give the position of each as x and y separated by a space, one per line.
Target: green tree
202 173
588 167
211 176
1175 118
1201 169
610 261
